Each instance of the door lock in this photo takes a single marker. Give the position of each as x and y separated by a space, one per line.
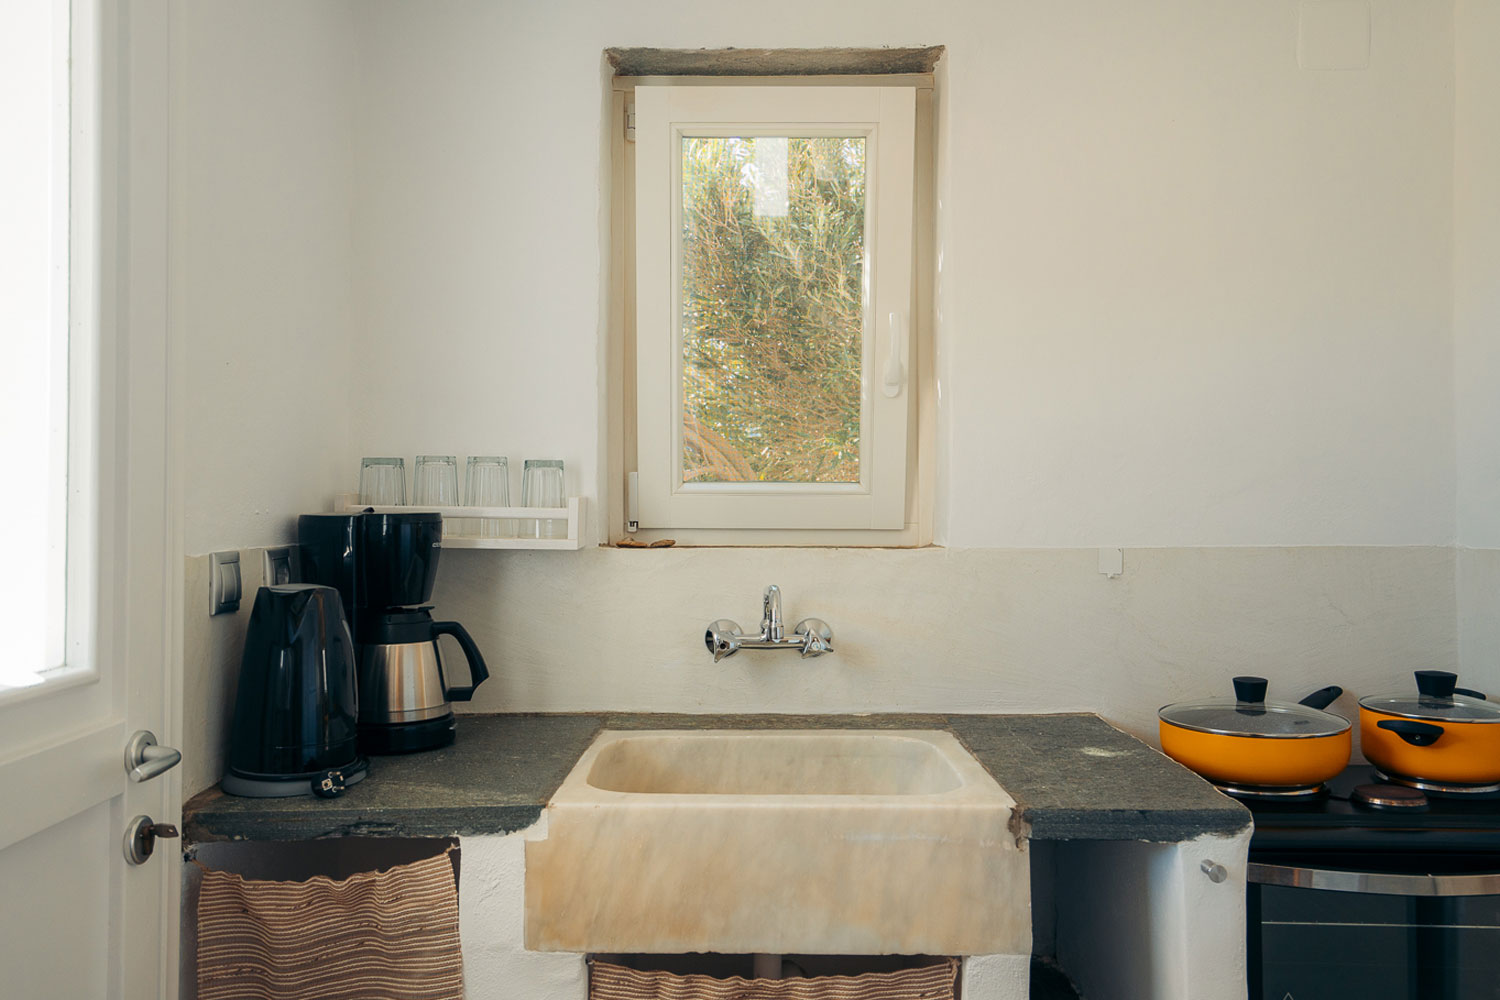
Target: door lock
140 838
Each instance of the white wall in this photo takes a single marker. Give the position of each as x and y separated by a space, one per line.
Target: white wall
1190 293
1144 920
1476 326
262 152
948 630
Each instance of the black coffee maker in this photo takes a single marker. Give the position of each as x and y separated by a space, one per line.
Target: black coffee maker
293 731
384 567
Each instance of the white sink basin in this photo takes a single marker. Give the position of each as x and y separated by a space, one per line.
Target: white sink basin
835 762
795 841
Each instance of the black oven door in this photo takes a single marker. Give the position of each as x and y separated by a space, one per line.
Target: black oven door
1390 927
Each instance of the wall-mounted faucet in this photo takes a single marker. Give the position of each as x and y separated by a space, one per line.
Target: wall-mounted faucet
811 636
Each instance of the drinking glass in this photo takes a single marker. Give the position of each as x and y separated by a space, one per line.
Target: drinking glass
382 481
542 486
435 482
487 484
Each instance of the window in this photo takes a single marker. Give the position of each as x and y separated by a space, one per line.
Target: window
775 263
49 177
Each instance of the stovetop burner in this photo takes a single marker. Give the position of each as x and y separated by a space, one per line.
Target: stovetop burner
1437 788
1273 793
1397 797
1348 817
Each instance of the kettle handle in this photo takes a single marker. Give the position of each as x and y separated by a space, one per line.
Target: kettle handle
478 672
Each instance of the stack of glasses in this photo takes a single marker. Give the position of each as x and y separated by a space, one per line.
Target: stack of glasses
382 482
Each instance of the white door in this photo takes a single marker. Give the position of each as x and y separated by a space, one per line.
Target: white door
89 540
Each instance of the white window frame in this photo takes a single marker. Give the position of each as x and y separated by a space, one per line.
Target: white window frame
891 506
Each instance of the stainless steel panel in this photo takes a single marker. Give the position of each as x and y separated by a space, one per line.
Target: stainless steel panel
1375 883
401 683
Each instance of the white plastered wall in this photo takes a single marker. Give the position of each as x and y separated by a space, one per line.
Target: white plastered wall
1144 920
1476 329
261 208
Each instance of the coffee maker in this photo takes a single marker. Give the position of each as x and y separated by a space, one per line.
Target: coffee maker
384 567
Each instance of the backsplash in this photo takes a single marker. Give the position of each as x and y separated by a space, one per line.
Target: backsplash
950 630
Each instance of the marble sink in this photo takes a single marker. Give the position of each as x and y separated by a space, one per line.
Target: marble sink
779 841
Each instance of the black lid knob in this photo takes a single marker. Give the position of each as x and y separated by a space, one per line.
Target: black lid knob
1250 689
1436 683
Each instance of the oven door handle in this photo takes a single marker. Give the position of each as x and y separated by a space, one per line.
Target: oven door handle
1374 883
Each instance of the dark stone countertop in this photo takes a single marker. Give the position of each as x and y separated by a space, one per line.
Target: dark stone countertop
1074 777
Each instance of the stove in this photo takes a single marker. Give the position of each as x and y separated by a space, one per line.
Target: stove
1377 890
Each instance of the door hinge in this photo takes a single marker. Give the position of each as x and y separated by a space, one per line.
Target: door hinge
630 121
633 502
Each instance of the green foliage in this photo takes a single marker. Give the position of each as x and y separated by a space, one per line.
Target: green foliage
772 309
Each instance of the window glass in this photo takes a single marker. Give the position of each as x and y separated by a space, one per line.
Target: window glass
34 269
773 303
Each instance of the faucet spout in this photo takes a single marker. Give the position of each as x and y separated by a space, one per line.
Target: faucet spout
771 626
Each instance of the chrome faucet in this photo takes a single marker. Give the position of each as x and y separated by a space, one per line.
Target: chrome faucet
810 636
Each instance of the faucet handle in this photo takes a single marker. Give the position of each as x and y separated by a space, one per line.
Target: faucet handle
817 637
722 638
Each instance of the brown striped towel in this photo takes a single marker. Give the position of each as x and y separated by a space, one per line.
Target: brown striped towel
615 982
390 935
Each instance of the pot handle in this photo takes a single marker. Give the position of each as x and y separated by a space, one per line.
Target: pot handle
1471 693
1418 734
1323 697
478 672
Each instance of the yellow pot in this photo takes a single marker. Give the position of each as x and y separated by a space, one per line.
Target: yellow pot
1444 735
1250 741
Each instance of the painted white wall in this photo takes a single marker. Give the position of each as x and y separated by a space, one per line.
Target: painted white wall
1143 920
1190 294
262 153
1476 331
1476 270
948 630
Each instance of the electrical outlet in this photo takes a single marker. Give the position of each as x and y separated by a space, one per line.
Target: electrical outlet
282 564
223 583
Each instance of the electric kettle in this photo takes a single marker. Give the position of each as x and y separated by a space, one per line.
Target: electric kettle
294 730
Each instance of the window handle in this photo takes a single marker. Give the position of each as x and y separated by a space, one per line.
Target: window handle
895 367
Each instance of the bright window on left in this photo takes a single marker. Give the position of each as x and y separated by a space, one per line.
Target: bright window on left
38 310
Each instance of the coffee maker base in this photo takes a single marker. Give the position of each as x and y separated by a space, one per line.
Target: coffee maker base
406 737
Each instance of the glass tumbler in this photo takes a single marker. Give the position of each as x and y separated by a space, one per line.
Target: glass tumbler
382 481
435 481
487 484
542 486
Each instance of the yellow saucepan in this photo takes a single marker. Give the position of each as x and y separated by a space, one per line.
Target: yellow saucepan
1442 735
1248 741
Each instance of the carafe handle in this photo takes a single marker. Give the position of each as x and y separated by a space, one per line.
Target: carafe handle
478 672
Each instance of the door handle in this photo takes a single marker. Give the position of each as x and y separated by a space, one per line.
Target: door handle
144 759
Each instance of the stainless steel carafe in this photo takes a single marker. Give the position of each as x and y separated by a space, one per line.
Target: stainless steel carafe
405 698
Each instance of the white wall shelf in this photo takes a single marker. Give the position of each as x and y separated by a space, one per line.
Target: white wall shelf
572 514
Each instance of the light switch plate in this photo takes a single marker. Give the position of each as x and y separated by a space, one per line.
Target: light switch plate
1112 562
223 582
282 564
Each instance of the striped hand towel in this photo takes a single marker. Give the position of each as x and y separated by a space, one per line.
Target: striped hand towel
616 982
390 935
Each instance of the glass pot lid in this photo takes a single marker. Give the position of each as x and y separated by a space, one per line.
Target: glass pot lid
1249 714
1437 698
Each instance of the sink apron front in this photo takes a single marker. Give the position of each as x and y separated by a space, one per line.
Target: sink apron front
806 841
